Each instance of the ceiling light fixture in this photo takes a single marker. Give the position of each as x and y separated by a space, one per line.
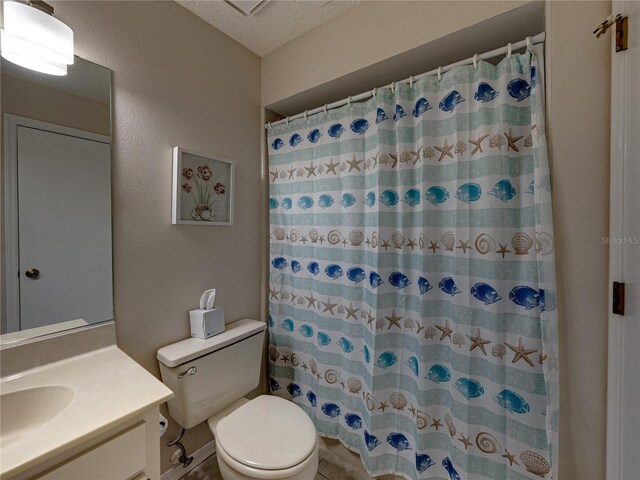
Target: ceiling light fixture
33 38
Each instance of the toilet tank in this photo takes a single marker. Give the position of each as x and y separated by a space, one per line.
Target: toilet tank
208 375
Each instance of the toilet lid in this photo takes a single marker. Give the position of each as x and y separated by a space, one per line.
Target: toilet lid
268 433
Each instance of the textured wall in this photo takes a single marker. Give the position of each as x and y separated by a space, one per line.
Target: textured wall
578 89
177 81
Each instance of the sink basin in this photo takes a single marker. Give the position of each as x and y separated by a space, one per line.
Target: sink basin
30 408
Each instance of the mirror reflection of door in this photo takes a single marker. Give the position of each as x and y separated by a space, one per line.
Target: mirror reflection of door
56 252
64 200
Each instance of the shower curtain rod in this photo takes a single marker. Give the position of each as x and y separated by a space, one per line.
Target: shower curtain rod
528 42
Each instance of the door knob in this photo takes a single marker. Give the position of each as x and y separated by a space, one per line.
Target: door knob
32 273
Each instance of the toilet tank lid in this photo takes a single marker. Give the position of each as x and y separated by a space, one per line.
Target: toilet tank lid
190 348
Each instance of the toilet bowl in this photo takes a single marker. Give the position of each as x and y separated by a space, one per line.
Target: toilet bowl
265 438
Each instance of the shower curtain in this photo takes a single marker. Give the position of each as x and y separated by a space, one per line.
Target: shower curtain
412 310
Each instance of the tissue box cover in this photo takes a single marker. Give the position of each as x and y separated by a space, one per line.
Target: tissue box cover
206 323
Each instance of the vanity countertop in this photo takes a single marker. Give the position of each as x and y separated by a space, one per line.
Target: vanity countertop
109 388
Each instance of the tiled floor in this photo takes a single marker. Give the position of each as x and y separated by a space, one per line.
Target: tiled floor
207 470
335 463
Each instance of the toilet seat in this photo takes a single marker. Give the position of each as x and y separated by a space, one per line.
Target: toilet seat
266 434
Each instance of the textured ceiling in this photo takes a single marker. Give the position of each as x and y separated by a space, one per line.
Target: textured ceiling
279 22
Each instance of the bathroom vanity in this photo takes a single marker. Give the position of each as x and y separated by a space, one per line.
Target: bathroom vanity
88 416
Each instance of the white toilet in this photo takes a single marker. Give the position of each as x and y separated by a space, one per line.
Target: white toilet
267 437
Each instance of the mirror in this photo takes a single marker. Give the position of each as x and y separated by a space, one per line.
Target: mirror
56 256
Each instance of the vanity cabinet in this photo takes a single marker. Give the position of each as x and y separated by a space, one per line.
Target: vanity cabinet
103 426
122 456
129 451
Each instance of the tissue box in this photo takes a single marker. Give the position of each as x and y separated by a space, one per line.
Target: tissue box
206 323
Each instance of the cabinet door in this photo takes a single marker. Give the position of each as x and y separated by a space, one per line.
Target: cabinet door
119 458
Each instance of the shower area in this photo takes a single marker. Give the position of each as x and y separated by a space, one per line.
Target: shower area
412 298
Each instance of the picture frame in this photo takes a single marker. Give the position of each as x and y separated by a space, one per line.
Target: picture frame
203 189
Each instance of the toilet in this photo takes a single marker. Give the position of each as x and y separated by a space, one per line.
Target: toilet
267 437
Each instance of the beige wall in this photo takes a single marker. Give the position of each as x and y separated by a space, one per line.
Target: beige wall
578 80
369 33
32 100
177 81
578 126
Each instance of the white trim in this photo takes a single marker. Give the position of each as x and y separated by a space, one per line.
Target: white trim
615 386
10 199
11 249
54 128
199 456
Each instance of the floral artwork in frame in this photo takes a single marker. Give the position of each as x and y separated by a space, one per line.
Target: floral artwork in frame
202 189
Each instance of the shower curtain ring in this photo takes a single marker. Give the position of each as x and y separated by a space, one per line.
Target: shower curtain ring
475 61
529 44
305 114
393 87
287 120
509 51
411 81
439 73
349 101
269 124
374 92
325 109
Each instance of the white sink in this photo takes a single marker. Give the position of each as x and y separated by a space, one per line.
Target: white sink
49 410
31 408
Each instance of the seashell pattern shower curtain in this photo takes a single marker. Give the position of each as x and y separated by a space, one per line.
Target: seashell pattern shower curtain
412 305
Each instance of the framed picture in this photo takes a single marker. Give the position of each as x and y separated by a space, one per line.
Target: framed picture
202 189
